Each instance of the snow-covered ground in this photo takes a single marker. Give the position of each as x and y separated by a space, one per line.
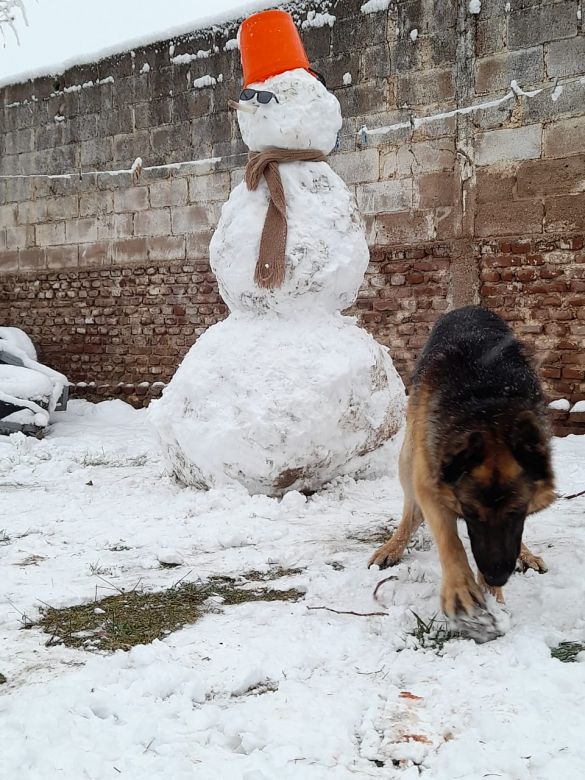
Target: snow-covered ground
345 696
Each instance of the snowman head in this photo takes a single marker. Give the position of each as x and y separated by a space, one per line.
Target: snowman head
283 104
301 114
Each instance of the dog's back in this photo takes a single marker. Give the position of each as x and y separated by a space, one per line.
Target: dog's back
477 370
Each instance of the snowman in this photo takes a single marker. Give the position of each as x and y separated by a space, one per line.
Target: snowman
286 393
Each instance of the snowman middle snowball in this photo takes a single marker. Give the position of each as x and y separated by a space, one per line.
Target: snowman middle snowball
326 250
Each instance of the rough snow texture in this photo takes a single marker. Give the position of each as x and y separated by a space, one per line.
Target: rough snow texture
336 695
326 251
24 383
306 116
17 338
315 19
372 6
279 404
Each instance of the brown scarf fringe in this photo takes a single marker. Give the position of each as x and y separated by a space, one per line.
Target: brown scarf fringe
270 266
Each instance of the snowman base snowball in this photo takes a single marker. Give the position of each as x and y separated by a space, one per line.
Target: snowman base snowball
278 405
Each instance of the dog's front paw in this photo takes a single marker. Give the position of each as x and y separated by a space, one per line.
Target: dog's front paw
460 594
388 554
527 560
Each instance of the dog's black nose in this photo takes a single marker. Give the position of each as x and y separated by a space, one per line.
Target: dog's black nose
498 574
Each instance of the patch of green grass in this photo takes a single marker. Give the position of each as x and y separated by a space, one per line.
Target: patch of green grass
432 634
134 618
567 652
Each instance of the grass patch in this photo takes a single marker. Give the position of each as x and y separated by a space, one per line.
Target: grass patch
376 535
567 652
136 618
272 574
432 634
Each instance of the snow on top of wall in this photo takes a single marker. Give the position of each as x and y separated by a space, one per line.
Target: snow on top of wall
315 19
84 42
375 5
561 404
185 59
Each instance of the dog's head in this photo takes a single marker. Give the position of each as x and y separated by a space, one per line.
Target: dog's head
498 476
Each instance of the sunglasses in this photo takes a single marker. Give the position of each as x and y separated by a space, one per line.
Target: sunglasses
262 96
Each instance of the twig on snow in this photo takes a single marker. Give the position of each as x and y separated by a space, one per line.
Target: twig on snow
574 495
351 612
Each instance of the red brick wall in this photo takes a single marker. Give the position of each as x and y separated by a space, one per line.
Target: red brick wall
538 285
117 330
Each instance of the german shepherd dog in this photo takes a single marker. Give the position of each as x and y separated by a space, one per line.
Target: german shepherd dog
476 446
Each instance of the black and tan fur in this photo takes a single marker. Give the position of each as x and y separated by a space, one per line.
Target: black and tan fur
477 447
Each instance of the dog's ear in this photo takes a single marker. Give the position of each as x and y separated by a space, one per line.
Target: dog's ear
529 445
463 458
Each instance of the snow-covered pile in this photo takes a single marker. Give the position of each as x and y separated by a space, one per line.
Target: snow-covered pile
275 404
32 388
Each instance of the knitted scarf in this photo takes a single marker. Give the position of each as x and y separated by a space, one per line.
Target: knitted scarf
270 270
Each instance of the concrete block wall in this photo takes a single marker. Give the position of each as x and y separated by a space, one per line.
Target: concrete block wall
463 141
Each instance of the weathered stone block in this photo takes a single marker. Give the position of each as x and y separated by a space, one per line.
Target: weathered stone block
518 143
517 218
435 189
560 137
213 187
131 199
385 196
81 231
547 177
33 259
565 214
62 257
357 167
495 72
542 23
421 89
50 234
155 222
565 58
166 248
170 192
131 146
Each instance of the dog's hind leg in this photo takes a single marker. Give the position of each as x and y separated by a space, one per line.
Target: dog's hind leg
527 560
391 552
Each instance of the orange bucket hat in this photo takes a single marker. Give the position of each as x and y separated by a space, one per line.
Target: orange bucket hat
270 44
